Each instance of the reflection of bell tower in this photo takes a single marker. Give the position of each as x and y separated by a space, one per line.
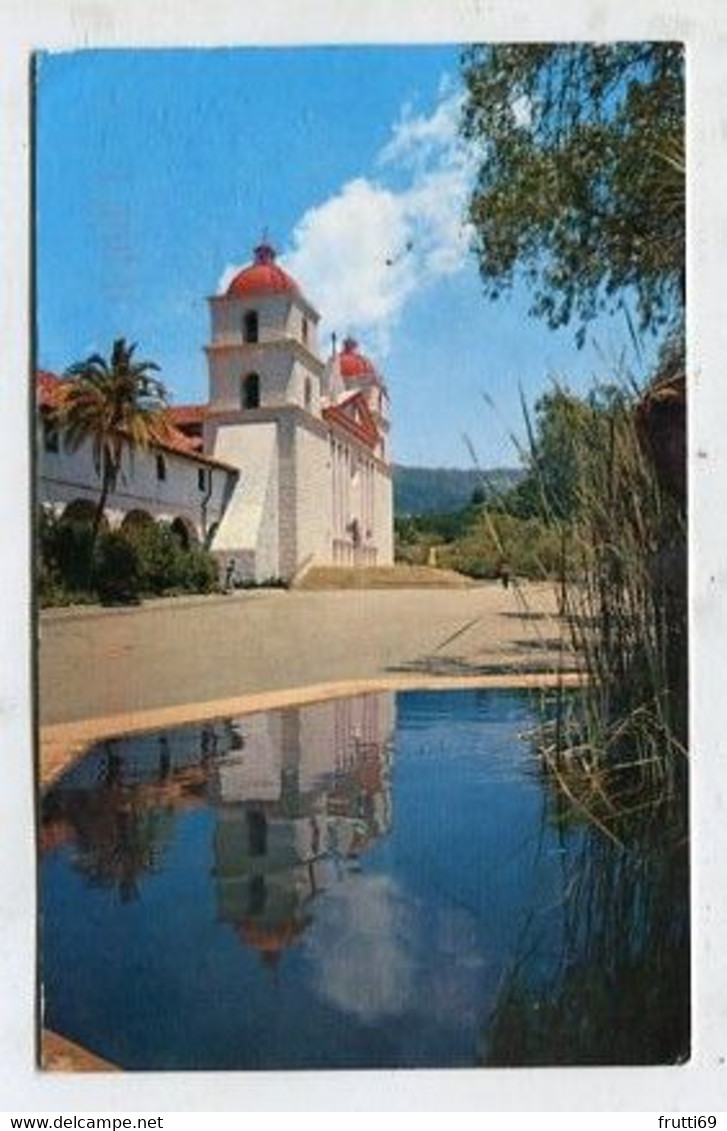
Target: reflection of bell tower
308 789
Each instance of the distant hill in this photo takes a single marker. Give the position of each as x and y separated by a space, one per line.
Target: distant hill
437 490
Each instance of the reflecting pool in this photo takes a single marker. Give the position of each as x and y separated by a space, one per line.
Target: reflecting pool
384 881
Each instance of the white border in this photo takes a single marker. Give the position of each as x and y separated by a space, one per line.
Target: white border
60 24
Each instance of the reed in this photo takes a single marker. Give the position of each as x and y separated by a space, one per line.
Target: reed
617 549
614 987
627 617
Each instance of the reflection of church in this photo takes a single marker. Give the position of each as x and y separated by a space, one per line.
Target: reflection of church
307 794
298 795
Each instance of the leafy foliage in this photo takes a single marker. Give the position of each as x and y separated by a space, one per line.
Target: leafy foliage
147 560
433 528
65 553
524 547
478 541
581 181
115 405
166 565
562 427
116 569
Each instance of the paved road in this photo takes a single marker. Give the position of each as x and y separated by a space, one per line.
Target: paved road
97 662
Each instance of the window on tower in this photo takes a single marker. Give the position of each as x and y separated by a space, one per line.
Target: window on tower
161 468
304 330
251 326
251 391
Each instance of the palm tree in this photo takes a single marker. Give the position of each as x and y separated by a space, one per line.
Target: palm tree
116 405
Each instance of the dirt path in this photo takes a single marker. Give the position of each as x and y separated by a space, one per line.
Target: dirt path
96 662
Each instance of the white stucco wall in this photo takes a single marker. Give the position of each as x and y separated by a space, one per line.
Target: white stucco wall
384 515
285 356
282 372
364 497
313 496
303 508
278 316
65 476
287 495
248 530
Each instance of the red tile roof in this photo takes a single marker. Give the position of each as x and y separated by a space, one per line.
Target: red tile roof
169 438
49 388
185 414
354 417
355 365
263 276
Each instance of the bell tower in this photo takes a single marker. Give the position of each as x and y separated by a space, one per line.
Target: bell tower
263 352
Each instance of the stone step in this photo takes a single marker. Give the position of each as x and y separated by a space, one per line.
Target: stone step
381 577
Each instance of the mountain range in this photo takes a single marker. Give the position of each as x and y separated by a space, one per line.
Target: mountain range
438 490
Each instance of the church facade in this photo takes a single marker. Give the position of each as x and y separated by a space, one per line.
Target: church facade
286 465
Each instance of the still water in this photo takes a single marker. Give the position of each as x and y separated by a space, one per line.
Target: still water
369 882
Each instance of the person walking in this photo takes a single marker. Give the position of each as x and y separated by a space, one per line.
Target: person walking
230 572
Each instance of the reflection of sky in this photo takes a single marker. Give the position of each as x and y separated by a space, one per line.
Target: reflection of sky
364 950
373 945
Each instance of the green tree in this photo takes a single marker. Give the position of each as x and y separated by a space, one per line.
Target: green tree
562 431
580 188
561 421
116 406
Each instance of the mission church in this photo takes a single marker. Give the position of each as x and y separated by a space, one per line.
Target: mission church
287 464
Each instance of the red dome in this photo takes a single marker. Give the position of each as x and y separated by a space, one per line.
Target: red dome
262 277
355 365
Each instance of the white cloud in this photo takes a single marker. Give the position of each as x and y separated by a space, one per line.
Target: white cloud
347 255
416 139
227 276
365 252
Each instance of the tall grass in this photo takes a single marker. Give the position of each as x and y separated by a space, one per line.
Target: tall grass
623 602
612 986
617 546
613 758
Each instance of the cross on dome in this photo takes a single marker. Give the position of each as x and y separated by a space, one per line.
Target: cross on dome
265 252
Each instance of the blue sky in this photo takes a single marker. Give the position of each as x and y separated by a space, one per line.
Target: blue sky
157 172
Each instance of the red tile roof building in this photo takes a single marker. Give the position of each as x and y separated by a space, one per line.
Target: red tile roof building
287 462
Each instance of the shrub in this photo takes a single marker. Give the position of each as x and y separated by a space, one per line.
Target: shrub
145 559
160 556
165 565
266 583
530 548
64 553
116 569
200 571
